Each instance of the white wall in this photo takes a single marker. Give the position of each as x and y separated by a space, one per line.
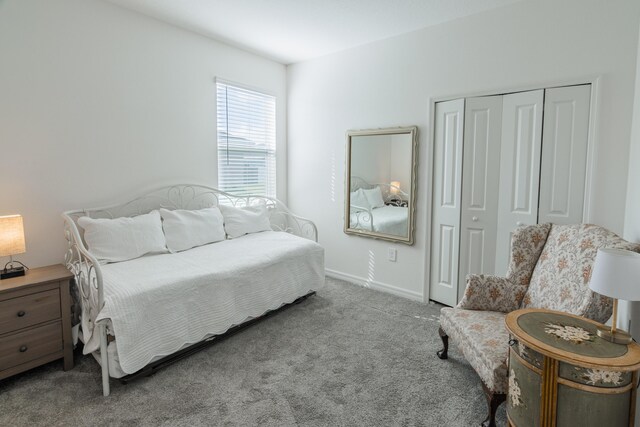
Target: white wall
391 82
631 312
400 168
370 158
380 159
98 103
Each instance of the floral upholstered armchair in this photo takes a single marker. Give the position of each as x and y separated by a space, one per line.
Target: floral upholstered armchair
550 267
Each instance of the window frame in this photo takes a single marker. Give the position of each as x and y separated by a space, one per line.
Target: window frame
257 91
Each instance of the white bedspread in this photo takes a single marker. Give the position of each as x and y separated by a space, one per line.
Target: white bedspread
157 304
387 219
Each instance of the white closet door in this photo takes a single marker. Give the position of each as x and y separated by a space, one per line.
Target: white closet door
564 154
519 168
445 236
480 180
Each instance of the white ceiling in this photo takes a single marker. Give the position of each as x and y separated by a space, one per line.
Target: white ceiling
295 30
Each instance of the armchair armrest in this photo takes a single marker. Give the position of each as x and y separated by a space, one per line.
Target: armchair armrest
492 293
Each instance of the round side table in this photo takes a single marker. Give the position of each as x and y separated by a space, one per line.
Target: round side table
562 374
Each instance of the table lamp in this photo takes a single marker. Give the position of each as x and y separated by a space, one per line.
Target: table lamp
11 243
616 274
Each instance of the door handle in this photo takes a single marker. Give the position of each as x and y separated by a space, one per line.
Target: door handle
519 223
474 219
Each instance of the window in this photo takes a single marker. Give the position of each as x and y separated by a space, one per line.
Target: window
246 141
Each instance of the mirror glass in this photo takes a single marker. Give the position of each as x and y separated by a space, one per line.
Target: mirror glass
380 194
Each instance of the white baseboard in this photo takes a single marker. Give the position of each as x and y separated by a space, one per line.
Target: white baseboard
384 287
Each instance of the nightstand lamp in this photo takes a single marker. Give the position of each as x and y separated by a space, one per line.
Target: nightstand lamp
11 243
616 274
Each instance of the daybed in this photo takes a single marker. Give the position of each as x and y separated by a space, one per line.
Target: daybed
140 311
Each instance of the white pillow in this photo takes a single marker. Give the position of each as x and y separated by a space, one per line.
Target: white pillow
241 221
122 239
185 229
359 200
374 197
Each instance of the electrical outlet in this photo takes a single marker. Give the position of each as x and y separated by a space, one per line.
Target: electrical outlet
393 254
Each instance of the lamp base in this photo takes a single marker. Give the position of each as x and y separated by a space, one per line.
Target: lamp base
618 336
8 273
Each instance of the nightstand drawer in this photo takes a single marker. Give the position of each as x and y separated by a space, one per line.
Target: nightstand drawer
23 347
28 310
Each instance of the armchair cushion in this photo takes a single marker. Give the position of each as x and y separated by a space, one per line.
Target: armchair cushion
492 293
482 337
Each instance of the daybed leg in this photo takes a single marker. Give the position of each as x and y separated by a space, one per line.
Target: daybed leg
442 354
493 401
105 360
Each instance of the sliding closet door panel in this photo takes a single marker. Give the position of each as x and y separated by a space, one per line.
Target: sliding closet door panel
519 168
447 168
480 180
564 154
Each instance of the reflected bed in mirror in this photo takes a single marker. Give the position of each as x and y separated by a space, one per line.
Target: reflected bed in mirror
380 188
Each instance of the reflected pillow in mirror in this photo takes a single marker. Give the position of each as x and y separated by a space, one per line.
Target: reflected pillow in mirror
374 197
359 201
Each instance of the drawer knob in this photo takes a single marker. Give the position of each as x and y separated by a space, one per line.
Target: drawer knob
21 313
23 349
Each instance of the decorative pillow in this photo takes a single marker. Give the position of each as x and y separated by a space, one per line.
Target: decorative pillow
247 220
359 200
374 197
122 239
491 293
186 229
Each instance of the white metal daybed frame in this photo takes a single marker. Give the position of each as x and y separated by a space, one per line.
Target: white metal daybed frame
86 268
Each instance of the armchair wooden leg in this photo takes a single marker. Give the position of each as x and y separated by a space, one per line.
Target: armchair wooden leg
442 354
493 401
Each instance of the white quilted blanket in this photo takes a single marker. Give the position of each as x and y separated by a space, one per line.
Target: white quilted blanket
159 303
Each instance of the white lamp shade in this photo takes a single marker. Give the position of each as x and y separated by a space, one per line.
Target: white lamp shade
395 187
11 235
616 274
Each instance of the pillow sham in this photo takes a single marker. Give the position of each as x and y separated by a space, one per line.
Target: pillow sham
122 239
246 220
359 200
374 197
186 229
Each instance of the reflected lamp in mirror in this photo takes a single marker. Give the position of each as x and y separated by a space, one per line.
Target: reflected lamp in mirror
380 183
12 243
395 187
616 274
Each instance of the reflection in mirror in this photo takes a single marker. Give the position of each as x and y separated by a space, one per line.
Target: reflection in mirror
380 182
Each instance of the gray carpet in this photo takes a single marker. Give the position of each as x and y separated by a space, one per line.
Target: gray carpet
349 356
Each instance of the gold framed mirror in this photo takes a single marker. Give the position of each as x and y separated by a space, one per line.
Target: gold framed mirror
380 193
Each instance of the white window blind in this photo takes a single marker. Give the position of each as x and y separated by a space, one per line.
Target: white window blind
246 141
